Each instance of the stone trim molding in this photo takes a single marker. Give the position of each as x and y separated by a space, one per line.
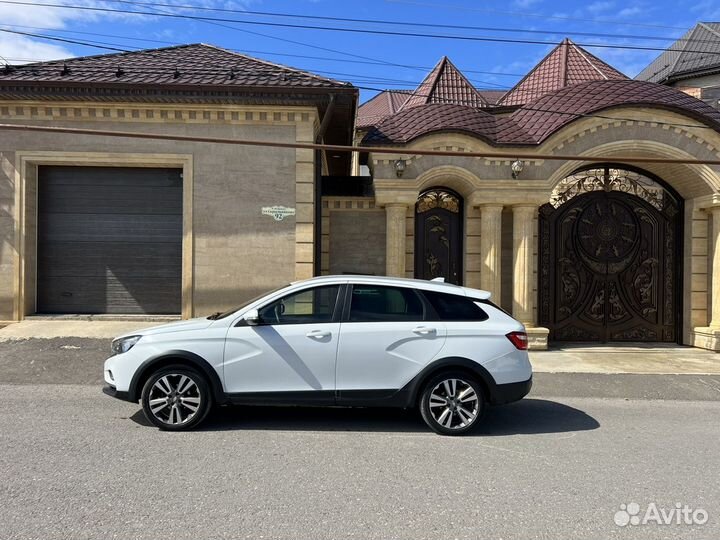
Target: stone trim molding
183 113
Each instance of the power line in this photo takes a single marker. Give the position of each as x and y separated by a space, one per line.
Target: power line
107 47
482 39
114 46
394 23
345 148
536 15
245 51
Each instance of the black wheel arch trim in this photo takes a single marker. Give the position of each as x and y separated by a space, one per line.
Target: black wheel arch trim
167 357
415 386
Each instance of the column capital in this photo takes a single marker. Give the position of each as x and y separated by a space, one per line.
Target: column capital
522 209
396 205
708 203
489 205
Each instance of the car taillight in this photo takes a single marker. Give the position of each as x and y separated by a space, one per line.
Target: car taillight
519 339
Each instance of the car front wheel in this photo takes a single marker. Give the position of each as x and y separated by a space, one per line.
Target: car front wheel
452 403
176 398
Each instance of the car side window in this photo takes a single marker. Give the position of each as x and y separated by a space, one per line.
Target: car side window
373 303
451 307
310 306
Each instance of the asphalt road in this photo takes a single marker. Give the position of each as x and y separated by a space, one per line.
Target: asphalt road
77 464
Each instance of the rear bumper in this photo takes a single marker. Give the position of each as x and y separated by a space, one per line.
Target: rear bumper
507 393
112 392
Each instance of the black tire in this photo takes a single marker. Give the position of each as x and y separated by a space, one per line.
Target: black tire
456 420
177 414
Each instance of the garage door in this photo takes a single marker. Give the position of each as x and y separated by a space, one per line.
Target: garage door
109 240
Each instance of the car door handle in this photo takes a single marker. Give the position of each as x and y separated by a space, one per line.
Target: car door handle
424 330
318 334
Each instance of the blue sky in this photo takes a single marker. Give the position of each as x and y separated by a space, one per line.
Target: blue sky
369 61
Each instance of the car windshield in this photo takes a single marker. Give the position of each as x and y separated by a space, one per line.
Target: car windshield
223 314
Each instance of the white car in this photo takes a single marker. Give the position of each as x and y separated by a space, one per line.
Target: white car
335 340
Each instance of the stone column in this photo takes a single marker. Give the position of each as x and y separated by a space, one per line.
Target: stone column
395 214
491 248
523 232
715 277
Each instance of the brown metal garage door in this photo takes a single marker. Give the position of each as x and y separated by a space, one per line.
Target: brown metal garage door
109 240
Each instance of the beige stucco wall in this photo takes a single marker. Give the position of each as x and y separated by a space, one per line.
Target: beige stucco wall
231 252
353 233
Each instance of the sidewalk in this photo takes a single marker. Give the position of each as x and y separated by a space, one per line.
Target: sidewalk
638 359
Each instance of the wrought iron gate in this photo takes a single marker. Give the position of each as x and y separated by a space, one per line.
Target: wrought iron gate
609 252
438 236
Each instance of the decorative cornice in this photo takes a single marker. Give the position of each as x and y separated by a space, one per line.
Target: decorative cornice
156 113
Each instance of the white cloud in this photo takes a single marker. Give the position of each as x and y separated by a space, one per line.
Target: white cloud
28 48
630 12
525 3
599 7
21 50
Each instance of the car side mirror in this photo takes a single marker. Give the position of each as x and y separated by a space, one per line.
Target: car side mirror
252 317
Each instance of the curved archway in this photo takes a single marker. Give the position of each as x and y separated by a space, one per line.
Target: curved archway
610 249
439 214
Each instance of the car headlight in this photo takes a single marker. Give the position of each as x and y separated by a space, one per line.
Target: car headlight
123 345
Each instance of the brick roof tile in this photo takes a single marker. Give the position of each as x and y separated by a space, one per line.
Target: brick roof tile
192 65
566 65
535 122
445 84
382 105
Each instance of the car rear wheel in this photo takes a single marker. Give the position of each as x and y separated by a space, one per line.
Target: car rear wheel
176 398
452 403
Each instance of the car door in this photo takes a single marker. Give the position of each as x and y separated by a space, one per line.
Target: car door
384 340
290 355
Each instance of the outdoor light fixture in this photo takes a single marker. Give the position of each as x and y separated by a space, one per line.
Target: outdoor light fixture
517 167
399 167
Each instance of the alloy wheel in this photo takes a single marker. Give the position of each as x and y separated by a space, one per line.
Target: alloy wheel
174 399
454 404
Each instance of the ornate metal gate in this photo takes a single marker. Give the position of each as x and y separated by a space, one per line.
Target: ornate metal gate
438 235
609 252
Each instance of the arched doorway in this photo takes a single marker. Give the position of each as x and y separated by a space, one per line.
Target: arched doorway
439 235
610 249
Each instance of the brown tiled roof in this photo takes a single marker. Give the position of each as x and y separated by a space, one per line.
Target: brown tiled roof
695 53
381 106
566 65
492 96
193 65
445 84
532 124
414 122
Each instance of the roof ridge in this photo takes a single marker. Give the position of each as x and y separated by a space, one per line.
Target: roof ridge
529 73
708 28
581 52
681 50
466 80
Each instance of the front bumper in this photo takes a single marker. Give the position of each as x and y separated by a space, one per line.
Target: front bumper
507 393
113 392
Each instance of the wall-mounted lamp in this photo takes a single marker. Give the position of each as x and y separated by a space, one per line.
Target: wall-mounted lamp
517 167
400 167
